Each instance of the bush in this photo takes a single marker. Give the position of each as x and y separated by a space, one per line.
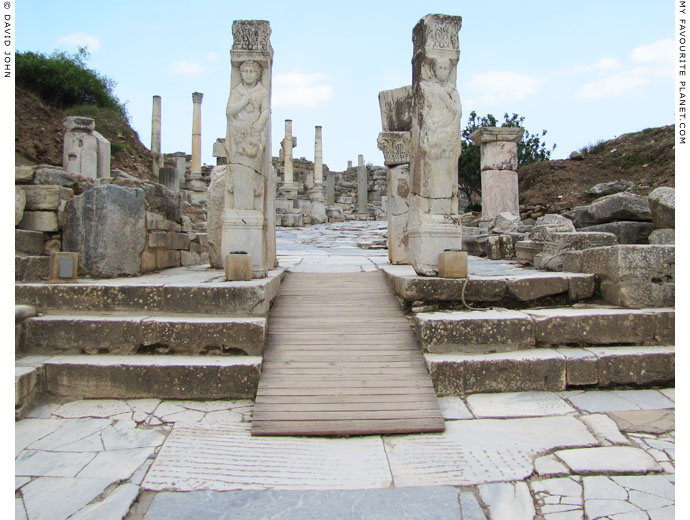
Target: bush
63 80
531 149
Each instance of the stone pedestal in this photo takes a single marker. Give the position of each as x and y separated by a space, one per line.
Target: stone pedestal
362 182
85 151
499 162
289 187
156 136
249 209
435 146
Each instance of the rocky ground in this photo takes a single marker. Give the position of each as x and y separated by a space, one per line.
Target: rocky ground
646 159
39 135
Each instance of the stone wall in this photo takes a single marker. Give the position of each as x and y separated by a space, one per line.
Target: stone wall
121 226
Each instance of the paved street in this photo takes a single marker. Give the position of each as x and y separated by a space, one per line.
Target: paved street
603 454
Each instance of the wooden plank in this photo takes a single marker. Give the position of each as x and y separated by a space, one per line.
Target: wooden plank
342 359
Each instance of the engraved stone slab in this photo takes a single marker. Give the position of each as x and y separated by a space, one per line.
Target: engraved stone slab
518 404
51 498
230 458
629 497
480 451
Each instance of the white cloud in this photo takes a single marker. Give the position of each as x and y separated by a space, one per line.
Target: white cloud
186 68
81 40
647 63
211 56
501 86
615 84
658 53
603 64
295 89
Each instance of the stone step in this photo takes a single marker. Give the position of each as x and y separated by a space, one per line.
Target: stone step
506 284
181 291
504 330
552 369
161 377
28 388
31 268
129 333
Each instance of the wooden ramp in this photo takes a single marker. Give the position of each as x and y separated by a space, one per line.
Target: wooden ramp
341 359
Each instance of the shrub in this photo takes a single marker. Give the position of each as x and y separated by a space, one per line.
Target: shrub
63 80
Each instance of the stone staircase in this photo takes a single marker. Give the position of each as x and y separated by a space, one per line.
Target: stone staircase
531 330
150 336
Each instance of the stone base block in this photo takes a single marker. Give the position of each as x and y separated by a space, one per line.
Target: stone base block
42 198
166 258
474 331
244 231
626 232
452 264
28 242
238 266
526 250
631 275
161 377
428 239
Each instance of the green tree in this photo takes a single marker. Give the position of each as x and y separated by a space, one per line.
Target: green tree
531 148
63 80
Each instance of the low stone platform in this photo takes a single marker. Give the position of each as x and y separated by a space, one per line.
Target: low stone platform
504 283
195 290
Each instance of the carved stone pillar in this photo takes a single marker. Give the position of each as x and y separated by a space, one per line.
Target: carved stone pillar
249 210
289 187
362 186
394 142
434 223
156 136
316 193
396 152
196 134
499 160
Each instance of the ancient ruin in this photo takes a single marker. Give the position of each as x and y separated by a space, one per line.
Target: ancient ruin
185 341
248 222
434 223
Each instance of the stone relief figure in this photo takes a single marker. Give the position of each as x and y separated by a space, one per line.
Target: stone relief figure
439 135
248 112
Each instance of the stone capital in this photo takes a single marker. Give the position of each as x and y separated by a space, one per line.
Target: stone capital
492 134
197 97
79 123
395 147
251 40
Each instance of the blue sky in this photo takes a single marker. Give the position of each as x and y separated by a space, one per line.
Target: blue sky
584 71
